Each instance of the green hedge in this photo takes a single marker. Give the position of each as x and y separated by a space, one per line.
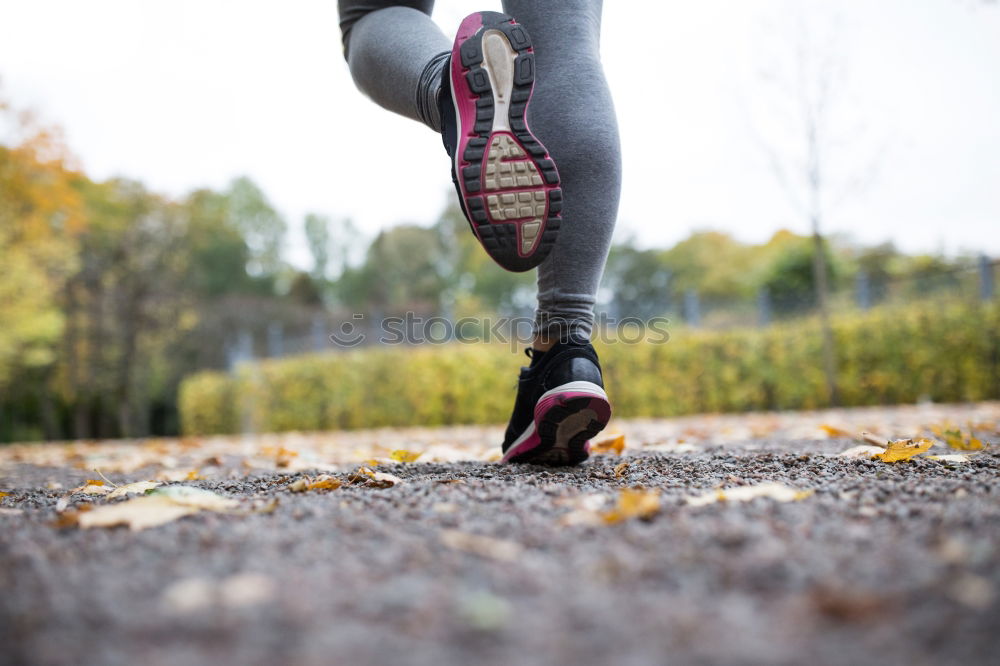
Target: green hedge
887 356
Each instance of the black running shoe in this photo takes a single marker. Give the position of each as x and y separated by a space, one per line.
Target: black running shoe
506 180
560 405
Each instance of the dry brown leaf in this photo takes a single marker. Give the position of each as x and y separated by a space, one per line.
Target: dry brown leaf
484 546
136 488
620 470
771 490
321 482
404 456
360 475
903 449
633 503
614 444
875 440
384 480
92 488
834 431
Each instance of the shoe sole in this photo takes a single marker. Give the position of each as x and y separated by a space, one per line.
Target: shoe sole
506 180
566 418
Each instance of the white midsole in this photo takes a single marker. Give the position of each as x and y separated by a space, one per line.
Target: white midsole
576 387
498 61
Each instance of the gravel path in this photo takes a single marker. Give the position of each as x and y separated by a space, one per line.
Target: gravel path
474 563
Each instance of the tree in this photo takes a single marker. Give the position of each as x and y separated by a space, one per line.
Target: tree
318 238
804 146
261 226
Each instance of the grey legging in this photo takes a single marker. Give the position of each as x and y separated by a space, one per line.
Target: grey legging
389 45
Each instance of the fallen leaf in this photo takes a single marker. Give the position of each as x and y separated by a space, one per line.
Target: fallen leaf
94 482
771 490
384 480
952 457
957 439
404 456
363 475
834 431
321 482
92 488
620 470
136 488
633 503
615 444
198 498
903 449
862 451
138 513
4 494
875 440
194 475
360 475
484 546
157 507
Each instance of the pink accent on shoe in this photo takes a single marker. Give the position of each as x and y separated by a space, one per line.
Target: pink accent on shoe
600 407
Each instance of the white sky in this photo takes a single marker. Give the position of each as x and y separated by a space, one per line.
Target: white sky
183 94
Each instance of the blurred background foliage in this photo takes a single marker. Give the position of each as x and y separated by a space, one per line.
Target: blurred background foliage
111 295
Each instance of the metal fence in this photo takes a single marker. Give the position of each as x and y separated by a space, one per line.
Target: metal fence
268 329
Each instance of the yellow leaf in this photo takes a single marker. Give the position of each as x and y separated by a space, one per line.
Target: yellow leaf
620 470
903 449
834 431
136 488
4 494
771 490
94 482
360 475
633 503
956 438
404 456
610 445
194 475
321 482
